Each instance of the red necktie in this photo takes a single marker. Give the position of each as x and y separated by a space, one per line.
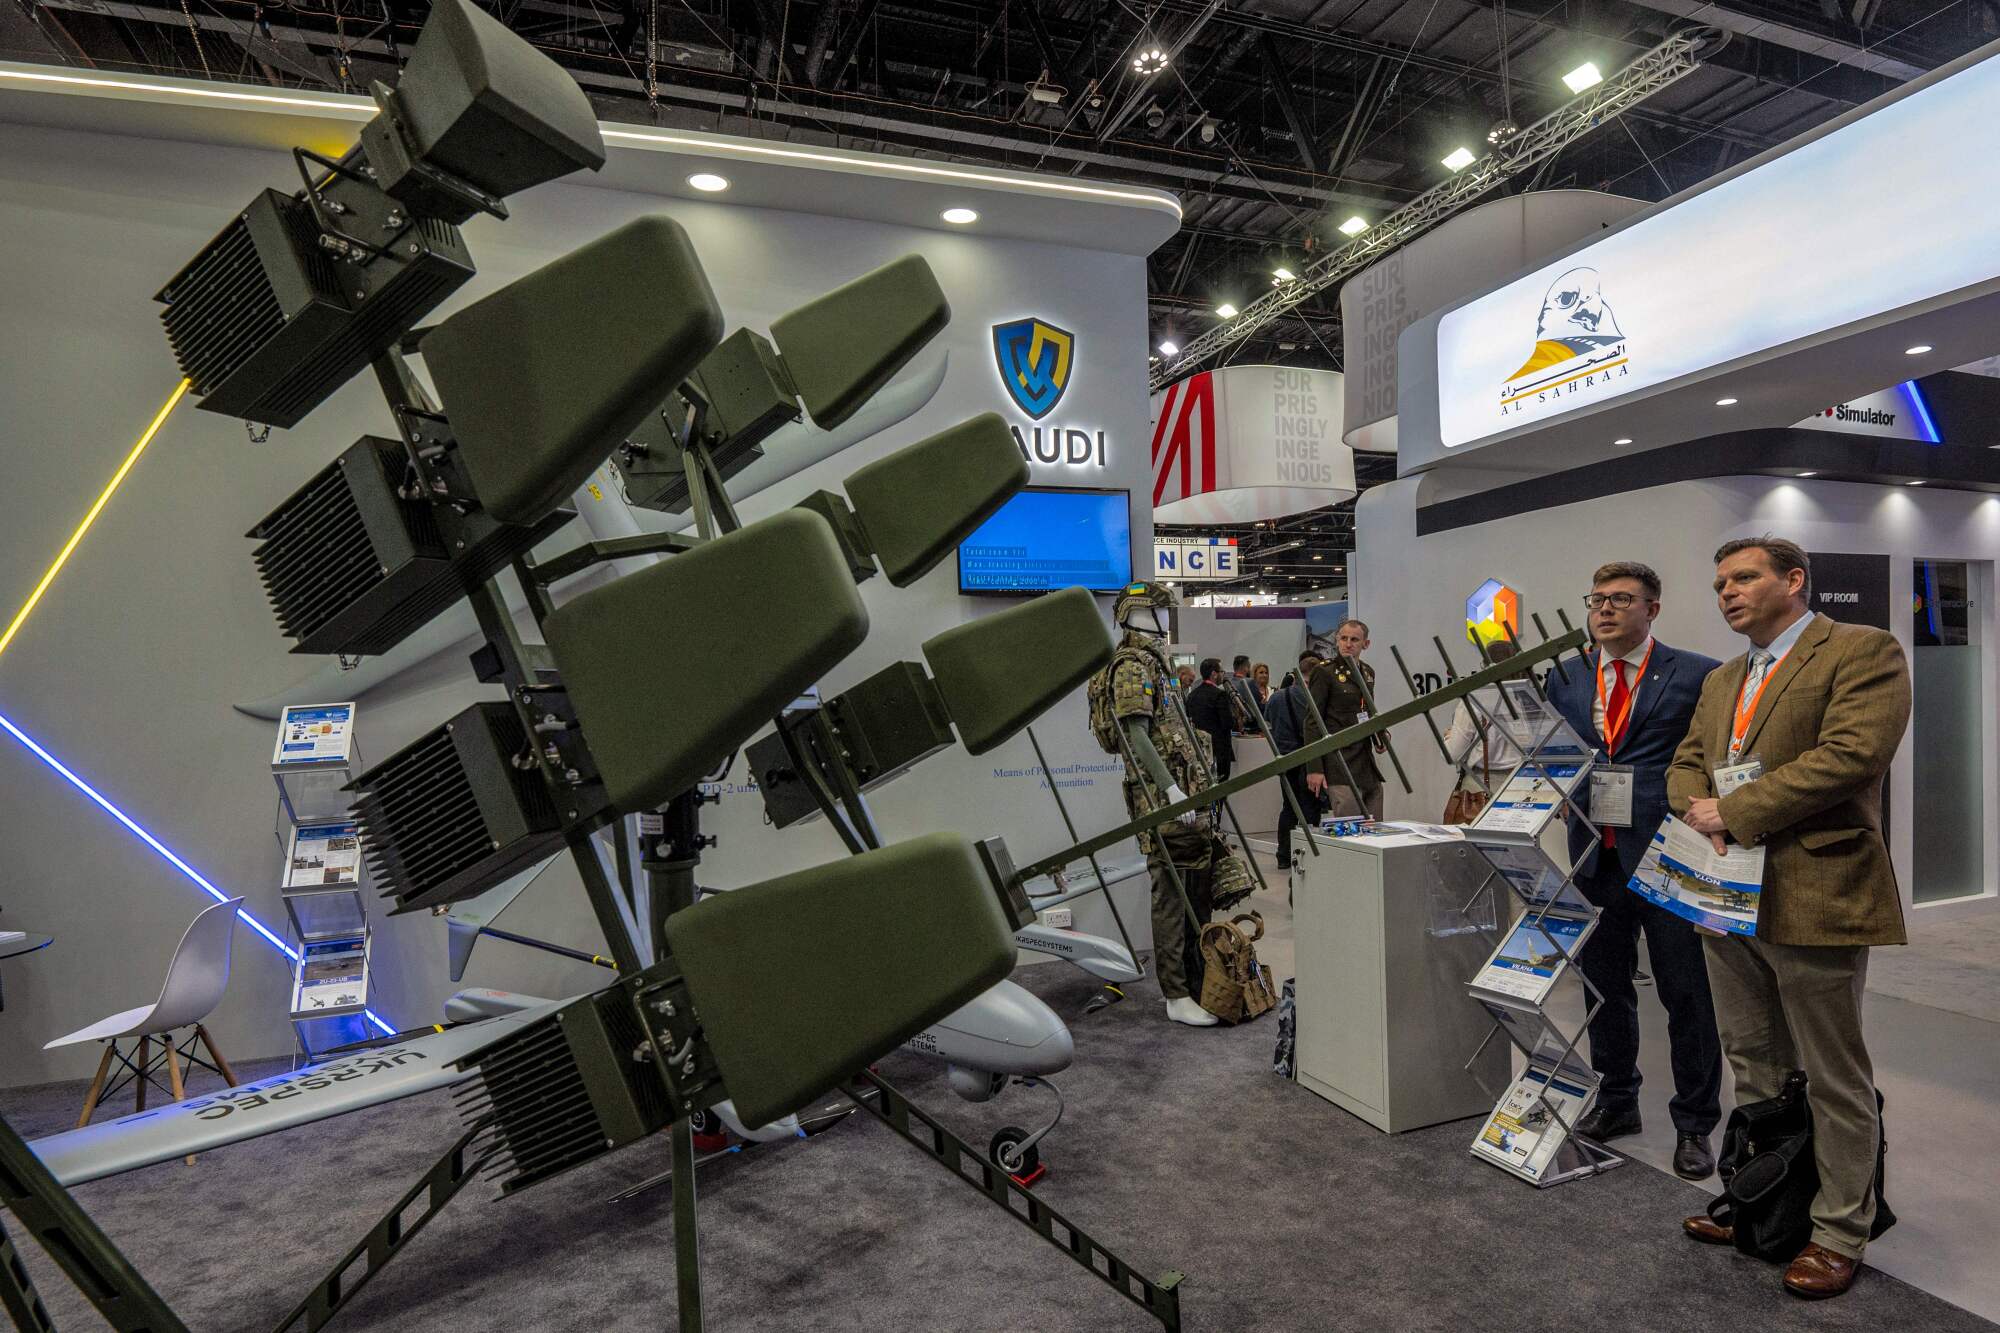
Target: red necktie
1619 706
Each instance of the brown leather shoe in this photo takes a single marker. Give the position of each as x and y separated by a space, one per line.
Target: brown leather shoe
1819 1272
1708 1231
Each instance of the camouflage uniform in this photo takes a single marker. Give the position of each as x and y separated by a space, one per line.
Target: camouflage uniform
1342 704
1134 685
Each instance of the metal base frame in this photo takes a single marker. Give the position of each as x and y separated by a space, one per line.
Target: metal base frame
1159 1297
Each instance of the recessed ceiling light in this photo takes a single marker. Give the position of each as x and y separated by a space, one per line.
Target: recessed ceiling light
1918 350
708 182
1583 76
959 217
1913 483
1623 439
1170 348
1725 402
1460 159
1808 474
1226 310
1353 227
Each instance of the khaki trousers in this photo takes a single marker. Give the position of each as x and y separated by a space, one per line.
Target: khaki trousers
1344 804
1782 1007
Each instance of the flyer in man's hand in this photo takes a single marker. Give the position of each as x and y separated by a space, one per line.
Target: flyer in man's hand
1683 873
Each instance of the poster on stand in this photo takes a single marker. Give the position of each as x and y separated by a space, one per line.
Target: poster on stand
1523 1133
323 854
1520 860
1682 872
1534 955
1531 795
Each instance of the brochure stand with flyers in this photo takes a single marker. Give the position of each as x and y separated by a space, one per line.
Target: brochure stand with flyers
322 880
1531 1131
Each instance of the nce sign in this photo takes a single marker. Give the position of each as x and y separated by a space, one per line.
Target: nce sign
1195 559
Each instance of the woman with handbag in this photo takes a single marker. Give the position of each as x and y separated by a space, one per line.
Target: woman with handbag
1479 748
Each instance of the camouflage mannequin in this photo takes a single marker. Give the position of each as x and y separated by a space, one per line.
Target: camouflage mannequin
1134 714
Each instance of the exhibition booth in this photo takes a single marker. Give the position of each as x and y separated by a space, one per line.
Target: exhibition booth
803 703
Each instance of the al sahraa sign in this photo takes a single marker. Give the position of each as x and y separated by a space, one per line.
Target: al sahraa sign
1249 442
1877 216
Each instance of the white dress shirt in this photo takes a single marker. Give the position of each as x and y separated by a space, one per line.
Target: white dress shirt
1607 671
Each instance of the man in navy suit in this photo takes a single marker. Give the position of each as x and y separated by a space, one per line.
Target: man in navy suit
1634 707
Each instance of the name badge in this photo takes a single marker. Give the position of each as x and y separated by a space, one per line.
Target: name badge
1728 777
1611 796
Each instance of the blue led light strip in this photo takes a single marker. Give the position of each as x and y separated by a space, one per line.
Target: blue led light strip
1916 397
165 852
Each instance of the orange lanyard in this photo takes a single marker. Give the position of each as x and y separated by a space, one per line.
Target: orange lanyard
1614 728
1740 726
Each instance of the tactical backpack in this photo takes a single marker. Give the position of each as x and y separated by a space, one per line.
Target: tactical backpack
1102 724
1769 1176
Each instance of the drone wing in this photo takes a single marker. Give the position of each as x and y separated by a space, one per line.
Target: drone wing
350 1082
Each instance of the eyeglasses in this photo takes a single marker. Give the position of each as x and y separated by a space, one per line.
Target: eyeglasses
1622 601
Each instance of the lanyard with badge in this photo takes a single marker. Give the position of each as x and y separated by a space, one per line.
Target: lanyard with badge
1611 784
1730 776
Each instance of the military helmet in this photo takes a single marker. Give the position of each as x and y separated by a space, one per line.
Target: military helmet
1136 595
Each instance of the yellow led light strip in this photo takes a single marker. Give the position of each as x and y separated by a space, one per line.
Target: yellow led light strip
69 547
359 108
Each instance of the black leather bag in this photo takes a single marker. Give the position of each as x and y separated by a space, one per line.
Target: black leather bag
1769 1176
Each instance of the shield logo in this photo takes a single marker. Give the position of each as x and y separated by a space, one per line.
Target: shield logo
1034 359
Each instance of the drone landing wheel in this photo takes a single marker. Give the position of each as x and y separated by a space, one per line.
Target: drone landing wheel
1008 1155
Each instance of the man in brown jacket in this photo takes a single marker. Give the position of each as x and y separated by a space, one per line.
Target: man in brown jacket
1821 707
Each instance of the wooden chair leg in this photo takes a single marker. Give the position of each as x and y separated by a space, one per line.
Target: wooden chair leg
174 1075
215 1055
145 1062
96 1086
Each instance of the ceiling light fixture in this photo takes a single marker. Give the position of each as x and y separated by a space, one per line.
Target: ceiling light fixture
1913 483
1623 439
1808 474
1460 159
1170 348
1725 402
1226 310
1583 76
708 182
1354 226
1149 61
1283 274
959 217
1918 350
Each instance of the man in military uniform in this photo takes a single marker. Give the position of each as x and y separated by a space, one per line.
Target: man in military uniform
1135 713
1355 788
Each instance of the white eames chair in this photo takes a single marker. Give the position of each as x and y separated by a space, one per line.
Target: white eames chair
196 979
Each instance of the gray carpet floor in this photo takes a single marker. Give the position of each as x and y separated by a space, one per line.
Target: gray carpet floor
1180 1150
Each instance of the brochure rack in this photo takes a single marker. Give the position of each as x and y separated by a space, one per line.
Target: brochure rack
322 880
1532 1130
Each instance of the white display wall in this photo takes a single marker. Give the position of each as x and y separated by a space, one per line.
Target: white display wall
128 670
1412 587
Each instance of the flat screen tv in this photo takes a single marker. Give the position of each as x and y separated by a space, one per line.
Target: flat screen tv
1047 538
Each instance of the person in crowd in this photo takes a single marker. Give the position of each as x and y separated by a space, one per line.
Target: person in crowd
1294 722
1184 674
1350 777
1260 676
1480 749
1633 707
1210 710
1787 752
1243 695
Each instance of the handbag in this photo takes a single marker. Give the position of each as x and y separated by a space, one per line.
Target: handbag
1769 1175
1235 987
1463 806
